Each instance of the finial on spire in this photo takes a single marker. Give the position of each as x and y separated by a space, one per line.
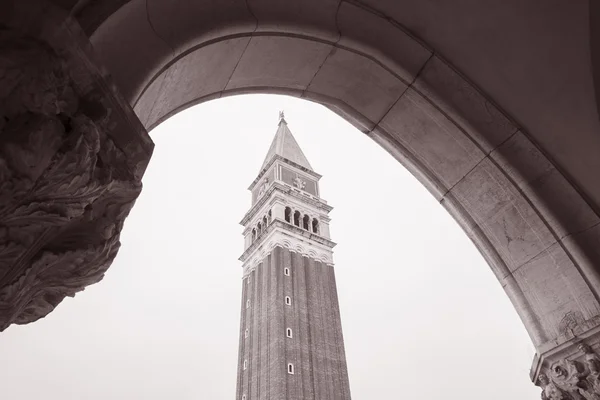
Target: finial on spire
282 117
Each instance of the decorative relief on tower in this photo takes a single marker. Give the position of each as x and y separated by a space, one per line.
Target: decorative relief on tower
299 183
263 187
572 379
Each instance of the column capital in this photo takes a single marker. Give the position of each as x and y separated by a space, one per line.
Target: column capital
72 155
571 370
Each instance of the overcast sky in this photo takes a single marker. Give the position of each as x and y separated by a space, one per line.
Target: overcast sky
423 316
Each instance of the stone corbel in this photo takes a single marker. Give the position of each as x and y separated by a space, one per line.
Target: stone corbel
72 155
571 371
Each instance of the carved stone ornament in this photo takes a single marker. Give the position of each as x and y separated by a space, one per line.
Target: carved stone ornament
572 379
299 183
263 187
71 159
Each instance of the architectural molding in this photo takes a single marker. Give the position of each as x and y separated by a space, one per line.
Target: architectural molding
286 240
286 161
290 230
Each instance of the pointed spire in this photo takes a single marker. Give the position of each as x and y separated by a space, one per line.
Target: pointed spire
284 144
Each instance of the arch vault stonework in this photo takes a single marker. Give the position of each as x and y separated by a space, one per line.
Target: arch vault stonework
522 180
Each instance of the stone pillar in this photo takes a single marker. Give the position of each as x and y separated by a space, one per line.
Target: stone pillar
72 155
324 227
247 238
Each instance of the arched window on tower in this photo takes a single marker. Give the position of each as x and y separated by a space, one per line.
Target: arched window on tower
259 228
265 223
253 234
306 222
315 226
288 215
270 217
297 218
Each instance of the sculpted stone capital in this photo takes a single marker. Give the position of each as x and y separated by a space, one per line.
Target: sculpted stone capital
72 154
576 377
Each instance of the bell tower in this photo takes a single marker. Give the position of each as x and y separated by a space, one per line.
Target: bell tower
291 343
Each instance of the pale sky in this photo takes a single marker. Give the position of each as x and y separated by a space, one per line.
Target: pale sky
423 316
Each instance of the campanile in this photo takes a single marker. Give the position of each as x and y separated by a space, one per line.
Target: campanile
291 343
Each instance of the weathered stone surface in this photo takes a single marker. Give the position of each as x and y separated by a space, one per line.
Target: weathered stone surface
434 139
72 155
282 62
507 219
359 82
297 18
410 161
183 83
584 248
553 273
138 29
198 24
567 212
464 104
362 30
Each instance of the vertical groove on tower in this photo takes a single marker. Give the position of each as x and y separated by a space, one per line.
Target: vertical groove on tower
326 310
341 349
240 376
259 322
267 283
333 346
298 321
252 346
262 330
306 333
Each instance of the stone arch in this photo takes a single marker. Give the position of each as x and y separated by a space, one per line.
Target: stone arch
479 163
538 231
297 218
288 214
306 222
315 226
